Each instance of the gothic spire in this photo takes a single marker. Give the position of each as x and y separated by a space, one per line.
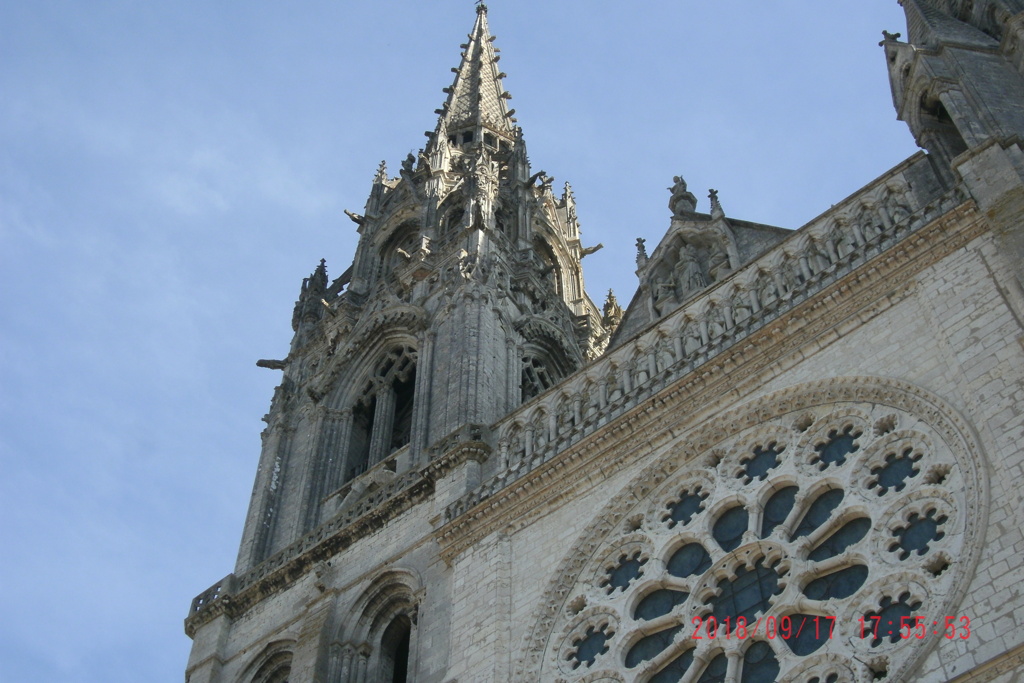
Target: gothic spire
476 98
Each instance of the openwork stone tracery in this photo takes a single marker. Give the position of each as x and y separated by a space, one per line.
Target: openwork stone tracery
797 527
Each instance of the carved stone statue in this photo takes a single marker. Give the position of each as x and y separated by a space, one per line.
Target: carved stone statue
682 200
718 264
688 272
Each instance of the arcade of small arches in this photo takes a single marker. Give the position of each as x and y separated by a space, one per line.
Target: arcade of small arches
377 646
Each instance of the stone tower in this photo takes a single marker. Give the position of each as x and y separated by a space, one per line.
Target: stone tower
795 455
464 299
958 83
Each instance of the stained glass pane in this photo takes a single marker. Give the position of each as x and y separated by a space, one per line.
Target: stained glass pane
659 603
683 510
628 569
839 585
895 472
715 673
886 622
593 643
689 560
760 463
805 633
919 533
819 512
777 509
651 646
838 446
677 668
850 534
729 528
747 595
759 664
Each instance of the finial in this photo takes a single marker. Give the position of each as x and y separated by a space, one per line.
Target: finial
481 8
382 173
716 206
318 280
612 312
567 194
641 252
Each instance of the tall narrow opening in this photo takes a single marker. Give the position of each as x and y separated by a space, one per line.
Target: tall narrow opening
362 430
404 388
394 650
382 415
536 378
940 135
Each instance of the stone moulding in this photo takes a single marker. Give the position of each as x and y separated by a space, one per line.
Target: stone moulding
808 316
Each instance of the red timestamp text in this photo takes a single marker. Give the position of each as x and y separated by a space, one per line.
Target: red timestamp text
916 627
741 628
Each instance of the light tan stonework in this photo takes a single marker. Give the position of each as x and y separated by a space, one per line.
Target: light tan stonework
470 465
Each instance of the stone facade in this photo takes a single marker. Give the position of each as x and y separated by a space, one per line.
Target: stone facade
787 449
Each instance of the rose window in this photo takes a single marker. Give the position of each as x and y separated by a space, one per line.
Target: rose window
796 550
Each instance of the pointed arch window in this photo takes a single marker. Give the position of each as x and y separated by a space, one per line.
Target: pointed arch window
277 669
403 242
382 415
537 378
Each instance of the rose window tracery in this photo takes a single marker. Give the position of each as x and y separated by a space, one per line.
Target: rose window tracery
795 549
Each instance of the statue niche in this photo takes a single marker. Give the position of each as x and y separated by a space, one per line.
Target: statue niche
687 268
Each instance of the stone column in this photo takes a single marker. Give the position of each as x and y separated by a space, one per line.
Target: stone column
342 435
418 439
383 424
345 673
627 379
960 110
266 523
755 304
514 374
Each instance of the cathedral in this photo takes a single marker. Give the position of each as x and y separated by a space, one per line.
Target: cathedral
793 455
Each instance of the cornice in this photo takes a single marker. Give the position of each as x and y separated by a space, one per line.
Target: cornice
812 324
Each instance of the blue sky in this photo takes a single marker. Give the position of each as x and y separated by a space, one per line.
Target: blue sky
169 172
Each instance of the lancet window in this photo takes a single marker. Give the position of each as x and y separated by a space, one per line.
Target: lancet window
537 378
382 415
